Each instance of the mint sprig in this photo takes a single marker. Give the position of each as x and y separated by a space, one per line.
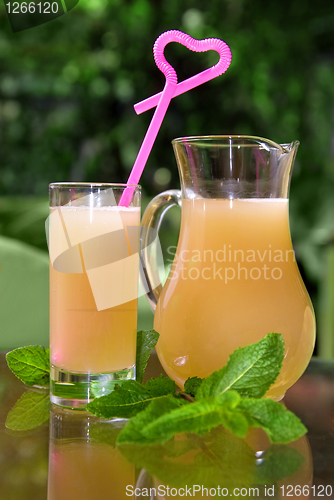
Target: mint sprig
230 397
160 423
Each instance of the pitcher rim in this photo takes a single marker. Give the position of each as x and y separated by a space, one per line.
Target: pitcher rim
284 148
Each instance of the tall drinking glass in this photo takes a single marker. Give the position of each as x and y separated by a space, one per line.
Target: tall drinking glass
93 247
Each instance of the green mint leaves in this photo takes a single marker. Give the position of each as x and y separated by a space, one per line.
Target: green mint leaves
30 364
163 419
230 397
250 370
281 425
131 398
191 385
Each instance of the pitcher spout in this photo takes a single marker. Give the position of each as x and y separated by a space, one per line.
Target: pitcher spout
234 166
290 148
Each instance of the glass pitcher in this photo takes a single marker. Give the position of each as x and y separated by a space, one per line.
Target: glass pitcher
234 277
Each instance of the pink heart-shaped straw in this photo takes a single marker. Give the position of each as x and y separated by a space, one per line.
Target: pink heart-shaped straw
196 46
171 89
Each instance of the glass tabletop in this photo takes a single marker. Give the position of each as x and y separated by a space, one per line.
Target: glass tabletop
72 455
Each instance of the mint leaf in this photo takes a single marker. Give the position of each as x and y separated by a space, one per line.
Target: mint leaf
191 385
158 424
130 398
250 370
133 432
160 386
124 401
280 424
30 364
30 411
198 418
146 341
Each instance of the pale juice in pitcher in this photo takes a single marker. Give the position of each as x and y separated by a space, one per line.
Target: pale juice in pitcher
234 279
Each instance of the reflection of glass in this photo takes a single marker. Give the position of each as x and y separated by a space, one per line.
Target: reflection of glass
220 464
83 461
234 277
93 246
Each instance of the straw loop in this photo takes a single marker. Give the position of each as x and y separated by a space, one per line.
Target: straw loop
159 57
196 46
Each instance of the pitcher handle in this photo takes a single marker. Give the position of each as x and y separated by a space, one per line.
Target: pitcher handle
152 219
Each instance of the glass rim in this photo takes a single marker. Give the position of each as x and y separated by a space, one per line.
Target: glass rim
252 139
79 185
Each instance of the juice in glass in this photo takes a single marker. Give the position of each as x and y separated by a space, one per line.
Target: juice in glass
82 338
94 264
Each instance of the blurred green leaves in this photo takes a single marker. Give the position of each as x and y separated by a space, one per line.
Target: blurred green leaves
24 294
84 72
67 90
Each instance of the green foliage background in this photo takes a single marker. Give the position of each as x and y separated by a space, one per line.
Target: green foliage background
67 90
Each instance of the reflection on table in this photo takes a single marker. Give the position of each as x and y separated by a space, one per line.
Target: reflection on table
85 464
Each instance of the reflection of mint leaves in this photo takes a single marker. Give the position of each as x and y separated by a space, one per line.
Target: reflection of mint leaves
277 462
229 397
30 364
217 458
131 398
146 341
30 411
